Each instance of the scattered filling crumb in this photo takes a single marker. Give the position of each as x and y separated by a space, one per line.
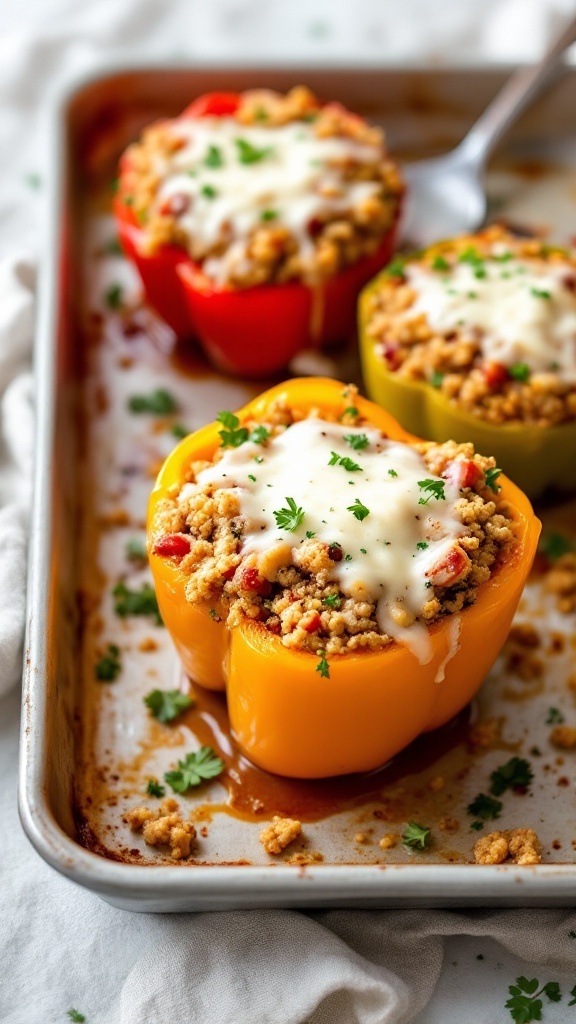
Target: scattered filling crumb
516 845
560 581
388 841
563 736
279 834
163 826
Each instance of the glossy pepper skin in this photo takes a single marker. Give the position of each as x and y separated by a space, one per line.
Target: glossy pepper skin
537 458
285 717
249 332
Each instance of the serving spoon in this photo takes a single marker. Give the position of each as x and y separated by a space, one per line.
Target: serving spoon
446 194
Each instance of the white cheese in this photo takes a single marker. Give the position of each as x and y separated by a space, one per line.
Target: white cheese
521 311
296 179
386 554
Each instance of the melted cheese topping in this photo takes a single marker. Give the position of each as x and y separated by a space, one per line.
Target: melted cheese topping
297 179
522 311
386 554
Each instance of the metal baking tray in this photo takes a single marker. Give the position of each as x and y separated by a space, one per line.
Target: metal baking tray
87 748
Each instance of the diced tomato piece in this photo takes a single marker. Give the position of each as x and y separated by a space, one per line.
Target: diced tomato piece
313 623
392 355
462 473
335 553
253 582
495 375
213 104
450 569
172 545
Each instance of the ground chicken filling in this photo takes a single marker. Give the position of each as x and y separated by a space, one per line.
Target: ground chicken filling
333 536
281 190
490 321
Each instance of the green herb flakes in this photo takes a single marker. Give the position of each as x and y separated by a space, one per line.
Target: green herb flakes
485 807
332 601
289 518
516 773
435 489
196 768
109 667
166 705
359 511
440 263
392 472
76 1016
540 293
525 1004
179 431
555 717
249 154
357 441
136 549
490 478
342 460
157 403
554 545
136 602
260 434
213 157
519 372
436 379
114 297
422 545
396 268
154 788
323 667
416 837
232 434
209 192
268 215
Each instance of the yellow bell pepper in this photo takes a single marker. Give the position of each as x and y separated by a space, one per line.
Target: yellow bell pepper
536 457
285 717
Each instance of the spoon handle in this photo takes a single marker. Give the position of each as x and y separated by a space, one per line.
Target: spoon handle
517 93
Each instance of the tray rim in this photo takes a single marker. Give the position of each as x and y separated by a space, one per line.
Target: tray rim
214 886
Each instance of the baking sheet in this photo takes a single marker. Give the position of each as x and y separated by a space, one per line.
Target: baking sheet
99 745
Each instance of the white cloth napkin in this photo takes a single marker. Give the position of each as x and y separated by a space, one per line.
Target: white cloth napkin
61 947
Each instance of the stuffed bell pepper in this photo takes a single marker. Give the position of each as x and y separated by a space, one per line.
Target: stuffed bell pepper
347 584
475 339
254 220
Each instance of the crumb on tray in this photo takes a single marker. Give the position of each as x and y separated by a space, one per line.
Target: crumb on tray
516 845
279 834
164 826
563 736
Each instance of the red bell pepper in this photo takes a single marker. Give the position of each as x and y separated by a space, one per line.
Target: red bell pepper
251 331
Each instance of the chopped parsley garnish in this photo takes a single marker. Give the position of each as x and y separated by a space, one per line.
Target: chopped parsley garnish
166 705
357 441
342 460
113 248
114 296
109 667
252 477
396 268
479 273
260 434
359 511
249 154
198 767
157 403
436 489
332 601
554 545
436 378
179 431
540 293
209 192
516 773
351 410
490 478
502 257
232 435
136 549
472 295
154 788
289 518
477 825
214 615
416 836
136 602
267 215
555 717
392 472
323 667
439 263
472 256
572 935
347 558
261 114
76 1016
213 157
310 534
259 459
525 1004
422 545
519 372
485 807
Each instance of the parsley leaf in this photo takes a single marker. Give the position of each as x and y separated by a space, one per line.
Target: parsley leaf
260 434
572 992
179 431
358 510
396 268
436 488
203 764
554 545
289 518
472 256
515 773
490 478
158 403
267 215
416 836
213 157
485 807
232 435
519 372
154 788
392 472
436 379
166 705
348 464
439 263
524 1003
209 192
351 410
422 545
136 602
357 441
310 534
249 154
323 667
332 601
109 667
136 549
114 296
540 293
555 717
76 1016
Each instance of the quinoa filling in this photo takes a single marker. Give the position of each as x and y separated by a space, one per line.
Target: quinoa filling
487 319
331 535
281 190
